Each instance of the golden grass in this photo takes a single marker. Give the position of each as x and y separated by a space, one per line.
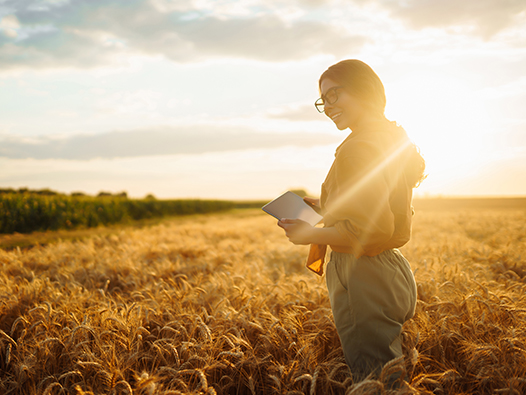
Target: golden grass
222 304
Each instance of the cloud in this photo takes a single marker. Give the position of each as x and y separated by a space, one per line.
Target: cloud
159 141
302 113
482 17
83 33
9 25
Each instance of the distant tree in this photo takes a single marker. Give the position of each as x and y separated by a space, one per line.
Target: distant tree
122 194
23 190
150 197
78 194
102 194
46 192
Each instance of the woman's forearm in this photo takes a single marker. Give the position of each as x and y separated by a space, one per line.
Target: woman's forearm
300 232
329 236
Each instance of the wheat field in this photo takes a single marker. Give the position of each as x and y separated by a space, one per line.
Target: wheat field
222 304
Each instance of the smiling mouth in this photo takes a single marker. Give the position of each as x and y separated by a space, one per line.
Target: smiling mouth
336 116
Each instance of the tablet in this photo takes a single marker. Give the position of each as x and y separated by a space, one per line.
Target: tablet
291 206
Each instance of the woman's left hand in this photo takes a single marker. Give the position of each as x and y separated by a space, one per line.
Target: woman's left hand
298 231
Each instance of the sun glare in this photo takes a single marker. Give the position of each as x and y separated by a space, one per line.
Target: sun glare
445 119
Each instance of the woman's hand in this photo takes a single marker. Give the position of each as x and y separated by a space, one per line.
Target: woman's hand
298 231
314 203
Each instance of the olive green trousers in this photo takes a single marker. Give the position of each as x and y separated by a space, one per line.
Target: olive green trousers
371 298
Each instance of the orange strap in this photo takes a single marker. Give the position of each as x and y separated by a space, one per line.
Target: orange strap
316 258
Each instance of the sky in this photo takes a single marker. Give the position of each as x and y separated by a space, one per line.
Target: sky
214 98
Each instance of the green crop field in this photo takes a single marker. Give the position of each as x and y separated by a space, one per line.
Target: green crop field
28 212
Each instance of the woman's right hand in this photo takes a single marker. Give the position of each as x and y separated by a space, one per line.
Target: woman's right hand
314 203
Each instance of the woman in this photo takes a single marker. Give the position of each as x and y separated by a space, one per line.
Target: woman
366 204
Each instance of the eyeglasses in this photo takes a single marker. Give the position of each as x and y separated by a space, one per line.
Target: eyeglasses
330 97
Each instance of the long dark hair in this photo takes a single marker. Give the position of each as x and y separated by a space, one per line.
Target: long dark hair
362 82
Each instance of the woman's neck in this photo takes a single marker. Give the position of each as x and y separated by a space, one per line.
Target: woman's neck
369 121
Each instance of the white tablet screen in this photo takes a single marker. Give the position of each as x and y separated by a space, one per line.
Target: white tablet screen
291 206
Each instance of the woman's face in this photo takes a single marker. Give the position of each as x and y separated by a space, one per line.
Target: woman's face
346 111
